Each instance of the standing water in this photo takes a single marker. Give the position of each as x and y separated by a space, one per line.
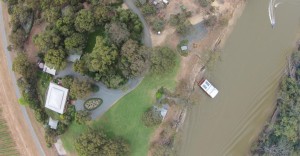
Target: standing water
252 63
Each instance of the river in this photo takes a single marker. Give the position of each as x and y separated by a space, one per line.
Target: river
252 63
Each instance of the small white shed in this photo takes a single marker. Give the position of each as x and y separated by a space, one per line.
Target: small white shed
53 123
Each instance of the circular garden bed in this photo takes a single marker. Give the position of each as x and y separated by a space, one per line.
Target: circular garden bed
92 104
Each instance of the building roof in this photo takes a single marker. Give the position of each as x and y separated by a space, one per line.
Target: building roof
73 58
184 48
56 98
53 123
49 70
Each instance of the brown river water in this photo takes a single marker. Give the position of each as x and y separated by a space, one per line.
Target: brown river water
247 76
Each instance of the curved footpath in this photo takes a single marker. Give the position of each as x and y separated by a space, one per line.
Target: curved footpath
9 63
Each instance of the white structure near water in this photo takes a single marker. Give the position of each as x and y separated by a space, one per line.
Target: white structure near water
53 123
56 98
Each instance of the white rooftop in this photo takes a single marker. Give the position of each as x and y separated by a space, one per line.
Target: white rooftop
56 98
53 123
184 48
49 70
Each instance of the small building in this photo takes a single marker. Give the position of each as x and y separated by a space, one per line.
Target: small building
56 98
49 70
73 57
53 123
184 48
166 1
162 110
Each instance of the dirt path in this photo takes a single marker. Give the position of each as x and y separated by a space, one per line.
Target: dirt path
31 131
11 109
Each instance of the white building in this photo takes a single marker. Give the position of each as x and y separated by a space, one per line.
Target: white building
52 123
184 48
49 70
56 98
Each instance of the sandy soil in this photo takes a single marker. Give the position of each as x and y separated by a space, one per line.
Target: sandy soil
11 104
12 111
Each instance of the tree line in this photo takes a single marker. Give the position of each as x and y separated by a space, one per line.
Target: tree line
281 136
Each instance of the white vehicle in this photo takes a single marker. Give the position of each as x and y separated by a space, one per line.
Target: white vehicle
209 88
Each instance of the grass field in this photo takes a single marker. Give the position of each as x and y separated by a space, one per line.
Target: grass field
7 145
124 118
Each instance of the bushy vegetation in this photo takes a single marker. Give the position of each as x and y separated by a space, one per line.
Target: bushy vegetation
97 143
162 60
83 116
205 3
281 137
180 22
151 117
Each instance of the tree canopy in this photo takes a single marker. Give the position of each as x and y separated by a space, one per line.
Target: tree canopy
55 59
102 56
97 143
85 21
162 59
75 43
80 89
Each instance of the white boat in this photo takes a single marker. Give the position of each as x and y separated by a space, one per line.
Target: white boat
208 88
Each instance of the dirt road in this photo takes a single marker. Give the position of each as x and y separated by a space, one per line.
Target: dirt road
12 111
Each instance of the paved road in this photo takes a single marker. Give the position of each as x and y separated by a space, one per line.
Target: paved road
8 58
147 37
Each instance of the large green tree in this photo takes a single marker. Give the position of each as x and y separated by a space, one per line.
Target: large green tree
21 65
80 89
102 56
117 32
49 39
97 143
75 43
55 59
85 21
134 59
101 14
162 59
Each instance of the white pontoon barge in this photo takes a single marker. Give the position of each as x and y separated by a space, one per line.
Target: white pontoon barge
208 88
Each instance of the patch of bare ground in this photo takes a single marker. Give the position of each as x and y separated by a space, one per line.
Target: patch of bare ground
29 46
14 116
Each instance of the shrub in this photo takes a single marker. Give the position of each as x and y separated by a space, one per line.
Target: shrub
210 21
93 103
158 25
151 117
82 117
148 9
159 93
95 88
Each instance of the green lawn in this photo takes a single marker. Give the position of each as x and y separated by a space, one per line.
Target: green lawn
42 85
124 118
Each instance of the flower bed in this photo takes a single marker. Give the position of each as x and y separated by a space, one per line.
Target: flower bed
92 104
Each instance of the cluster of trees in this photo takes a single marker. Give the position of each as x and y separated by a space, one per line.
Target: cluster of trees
27 84
97 143
113 66
205 3
151 117
181 22
282 136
